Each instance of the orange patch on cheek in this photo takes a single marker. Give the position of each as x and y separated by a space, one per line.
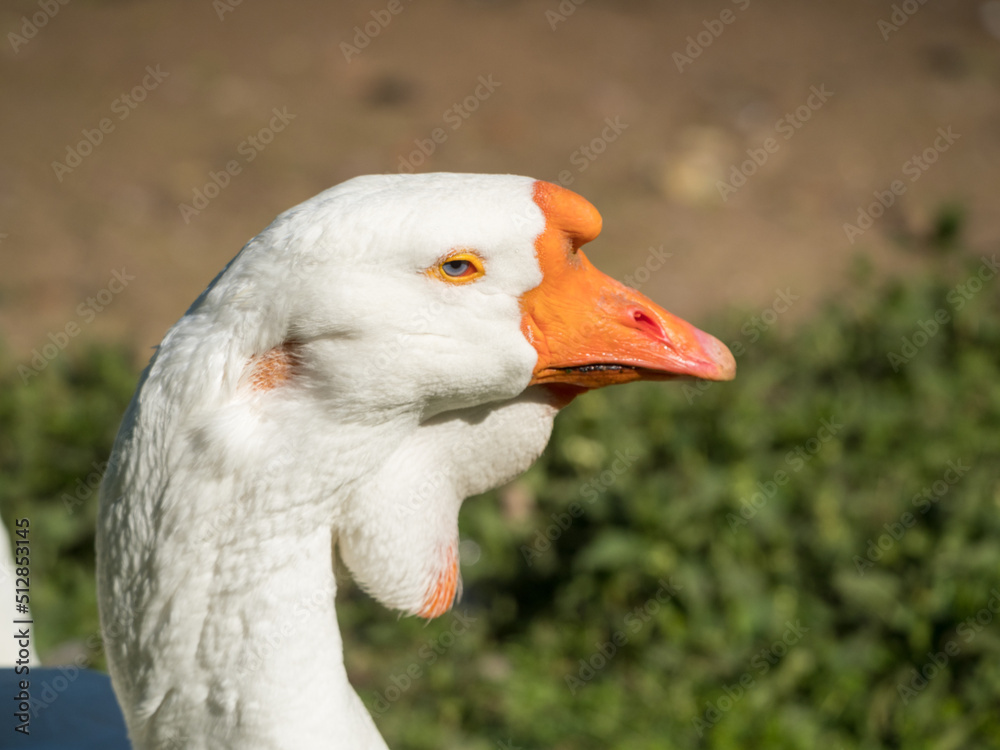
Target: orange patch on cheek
273 368
442 592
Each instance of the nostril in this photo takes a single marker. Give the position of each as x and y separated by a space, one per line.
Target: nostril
644 321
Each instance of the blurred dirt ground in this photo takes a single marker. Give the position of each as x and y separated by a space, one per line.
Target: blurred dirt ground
212 74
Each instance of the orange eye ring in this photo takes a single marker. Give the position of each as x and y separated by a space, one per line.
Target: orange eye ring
460 267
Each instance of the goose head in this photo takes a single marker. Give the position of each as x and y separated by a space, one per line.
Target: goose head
375 356
441 291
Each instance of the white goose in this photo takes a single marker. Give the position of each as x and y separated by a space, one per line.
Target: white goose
376 355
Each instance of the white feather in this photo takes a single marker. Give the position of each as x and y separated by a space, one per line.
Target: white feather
222 504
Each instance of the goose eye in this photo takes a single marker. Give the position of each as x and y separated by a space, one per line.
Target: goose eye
458 268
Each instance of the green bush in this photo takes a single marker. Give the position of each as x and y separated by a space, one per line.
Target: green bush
57 425
779 556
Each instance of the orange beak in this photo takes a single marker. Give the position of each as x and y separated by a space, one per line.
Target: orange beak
590 330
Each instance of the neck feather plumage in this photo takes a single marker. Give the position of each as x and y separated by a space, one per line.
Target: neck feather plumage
216 536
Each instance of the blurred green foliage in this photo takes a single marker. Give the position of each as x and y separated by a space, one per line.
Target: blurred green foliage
764 563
